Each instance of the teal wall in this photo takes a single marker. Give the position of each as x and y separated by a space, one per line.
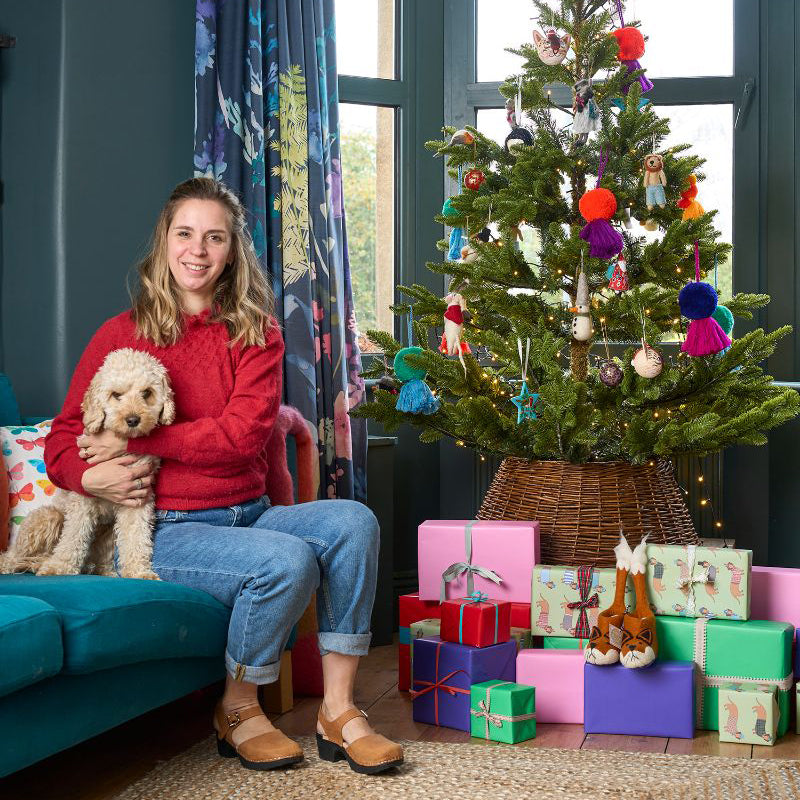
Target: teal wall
97 127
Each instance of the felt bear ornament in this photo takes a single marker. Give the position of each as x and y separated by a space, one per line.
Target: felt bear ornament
654 181
698 302
452 344
550 47
586 113
415 395
582 328
689 203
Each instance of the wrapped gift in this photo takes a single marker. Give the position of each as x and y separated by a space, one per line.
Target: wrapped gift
456 557
558 678
562 607
411 610
754 652
796 654
520 615
476 620
425 627
503 711
656 701
444 673
748 713
797 705
523 638
775 594
560 643
690 581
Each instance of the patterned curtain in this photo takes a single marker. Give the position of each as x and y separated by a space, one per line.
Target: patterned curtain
267 125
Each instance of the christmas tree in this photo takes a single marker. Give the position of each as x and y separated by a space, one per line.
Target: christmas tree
523 367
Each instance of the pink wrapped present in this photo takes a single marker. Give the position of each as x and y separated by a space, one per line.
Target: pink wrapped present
558 678
775 594
458 557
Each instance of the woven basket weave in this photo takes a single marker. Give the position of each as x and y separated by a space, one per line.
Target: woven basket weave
581 508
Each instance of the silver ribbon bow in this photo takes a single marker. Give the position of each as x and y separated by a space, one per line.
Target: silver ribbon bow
703 576
460 567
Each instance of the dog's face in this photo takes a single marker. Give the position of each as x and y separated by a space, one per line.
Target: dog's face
130 394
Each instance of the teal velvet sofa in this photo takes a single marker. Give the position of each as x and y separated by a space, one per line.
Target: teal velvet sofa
82 654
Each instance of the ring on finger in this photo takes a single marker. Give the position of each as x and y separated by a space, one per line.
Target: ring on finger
139 483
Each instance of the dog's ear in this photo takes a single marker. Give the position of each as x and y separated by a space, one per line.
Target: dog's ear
167 415
94 415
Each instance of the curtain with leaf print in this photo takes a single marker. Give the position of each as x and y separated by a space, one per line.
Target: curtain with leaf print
267 125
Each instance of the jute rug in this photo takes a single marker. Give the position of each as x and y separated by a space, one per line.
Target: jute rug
438 771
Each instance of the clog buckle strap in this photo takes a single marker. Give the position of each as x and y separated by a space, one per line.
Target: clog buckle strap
233 719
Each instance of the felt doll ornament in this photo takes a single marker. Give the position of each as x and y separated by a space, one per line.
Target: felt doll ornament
452 344
698 302
586 114
550 47
654 181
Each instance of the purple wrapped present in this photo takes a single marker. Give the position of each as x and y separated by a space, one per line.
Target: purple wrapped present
444 673
652 701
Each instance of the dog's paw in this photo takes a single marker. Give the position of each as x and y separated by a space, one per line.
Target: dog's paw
54 566
139 574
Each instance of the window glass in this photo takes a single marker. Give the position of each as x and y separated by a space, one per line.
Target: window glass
367 145
497 30
365 38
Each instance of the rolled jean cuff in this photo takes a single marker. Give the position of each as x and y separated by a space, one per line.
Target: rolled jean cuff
259 675
348 644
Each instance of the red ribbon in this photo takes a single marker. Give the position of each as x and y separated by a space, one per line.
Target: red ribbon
439 683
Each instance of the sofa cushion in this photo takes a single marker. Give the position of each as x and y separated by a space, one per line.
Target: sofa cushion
107 622
30 642
28 485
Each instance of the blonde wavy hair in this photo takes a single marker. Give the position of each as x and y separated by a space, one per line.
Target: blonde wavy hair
243 298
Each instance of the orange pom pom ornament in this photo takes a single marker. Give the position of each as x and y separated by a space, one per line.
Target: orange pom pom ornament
598 204
631 43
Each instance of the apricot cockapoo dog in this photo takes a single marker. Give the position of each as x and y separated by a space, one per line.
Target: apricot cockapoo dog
130 394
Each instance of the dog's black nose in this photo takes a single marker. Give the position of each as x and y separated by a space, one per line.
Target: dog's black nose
132 421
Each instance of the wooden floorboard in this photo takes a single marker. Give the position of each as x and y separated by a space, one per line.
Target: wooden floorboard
126 753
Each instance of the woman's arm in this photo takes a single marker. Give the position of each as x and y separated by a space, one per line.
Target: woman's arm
65 467
241 432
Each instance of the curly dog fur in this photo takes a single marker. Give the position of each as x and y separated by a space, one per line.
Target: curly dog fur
130 394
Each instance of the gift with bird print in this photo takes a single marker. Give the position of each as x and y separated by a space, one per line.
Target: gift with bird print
689 581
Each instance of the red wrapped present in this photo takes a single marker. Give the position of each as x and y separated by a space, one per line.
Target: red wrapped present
520 615
476 621
412 609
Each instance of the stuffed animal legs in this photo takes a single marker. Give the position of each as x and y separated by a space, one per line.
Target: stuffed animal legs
639 641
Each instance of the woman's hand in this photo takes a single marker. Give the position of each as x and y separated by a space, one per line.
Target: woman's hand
119 482
95 448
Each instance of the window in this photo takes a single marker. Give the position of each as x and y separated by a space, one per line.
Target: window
370 98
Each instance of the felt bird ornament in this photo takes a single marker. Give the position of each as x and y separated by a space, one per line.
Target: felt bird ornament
582 328
550 47
468 254
698 302
689 203
459 137
452 344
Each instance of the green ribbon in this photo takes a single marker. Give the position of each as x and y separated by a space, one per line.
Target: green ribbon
460 567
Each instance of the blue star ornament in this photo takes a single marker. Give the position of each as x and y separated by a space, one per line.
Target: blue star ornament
525 403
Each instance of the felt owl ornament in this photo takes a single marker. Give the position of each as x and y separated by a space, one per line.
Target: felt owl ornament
550 47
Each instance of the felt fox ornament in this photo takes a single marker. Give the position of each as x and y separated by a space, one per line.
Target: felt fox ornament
605 638
639 642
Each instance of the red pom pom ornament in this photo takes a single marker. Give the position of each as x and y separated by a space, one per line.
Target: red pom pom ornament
631 43
598 204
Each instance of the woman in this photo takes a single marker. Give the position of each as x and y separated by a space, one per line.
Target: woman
204 309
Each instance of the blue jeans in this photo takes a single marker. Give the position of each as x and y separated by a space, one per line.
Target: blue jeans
264 562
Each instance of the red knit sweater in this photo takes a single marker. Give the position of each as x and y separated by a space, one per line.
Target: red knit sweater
226 402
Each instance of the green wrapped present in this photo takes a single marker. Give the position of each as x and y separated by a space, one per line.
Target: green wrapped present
748 713
690 581
555 589
751 653
425 627
523 638
503 711
559 643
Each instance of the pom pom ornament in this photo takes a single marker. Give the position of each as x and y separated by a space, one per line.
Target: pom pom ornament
724 317
586 114
654 181
619 278
688 202
647 361
415 395
598 206
517 139
452 345
698 301
448 212
631 49
582 328
550 47
473 179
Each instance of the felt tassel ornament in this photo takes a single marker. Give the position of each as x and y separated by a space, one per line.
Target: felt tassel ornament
698 301
582 328
598 206
631 48
415 395
639 641
452 344
689 203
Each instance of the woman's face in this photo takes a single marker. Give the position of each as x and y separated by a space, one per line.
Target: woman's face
198 248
